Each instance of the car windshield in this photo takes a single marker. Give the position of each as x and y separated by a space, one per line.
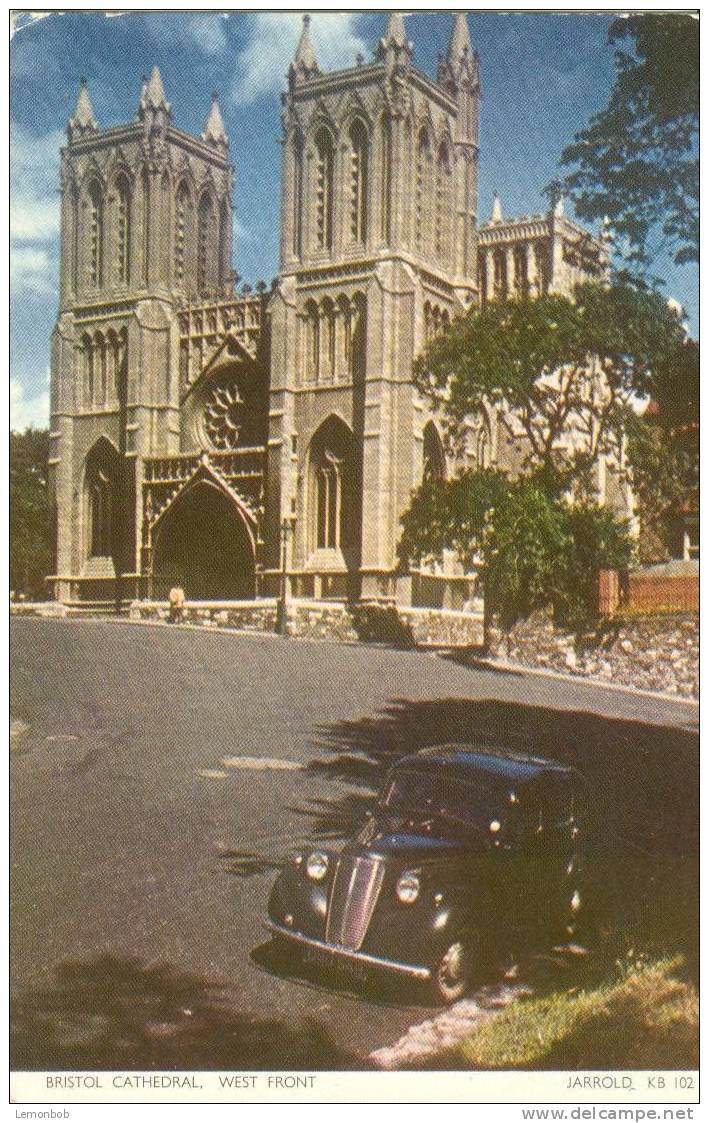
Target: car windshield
427 794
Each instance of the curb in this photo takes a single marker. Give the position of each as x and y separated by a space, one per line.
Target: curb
473 663
582 680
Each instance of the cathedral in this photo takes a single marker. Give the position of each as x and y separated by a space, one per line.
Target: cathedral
216 439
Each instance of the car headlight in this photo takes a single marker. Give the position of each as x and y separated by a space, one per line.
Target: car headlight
316 865
407 887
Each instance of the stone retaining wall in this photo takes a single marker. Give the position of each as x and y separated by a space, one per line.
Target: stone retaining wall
307 619
651 652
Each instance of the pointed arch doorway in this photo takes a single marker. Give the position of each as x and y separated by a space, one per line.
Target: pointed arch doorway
203 543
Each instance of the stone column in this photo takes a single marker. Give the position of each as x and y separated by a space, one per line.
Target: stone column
532 279
510 271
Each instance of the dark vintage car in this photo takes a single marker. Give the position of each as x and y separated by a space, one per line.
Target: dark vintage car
471 852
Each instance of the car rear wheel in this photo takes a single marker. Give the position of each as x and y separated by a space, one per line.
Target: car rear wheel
452 974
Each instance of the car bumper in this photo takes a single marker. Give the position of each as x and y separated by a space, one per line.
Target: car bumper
414 971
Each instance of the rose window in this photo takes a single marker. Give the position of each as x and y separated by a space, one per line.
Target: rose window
223 417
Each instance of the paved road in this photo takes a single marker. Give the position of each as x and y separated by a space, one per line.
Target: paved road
143 852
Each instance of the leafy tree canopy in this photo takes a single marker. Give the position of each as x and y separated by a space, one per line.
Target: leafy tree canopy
552 363
30 536
637 161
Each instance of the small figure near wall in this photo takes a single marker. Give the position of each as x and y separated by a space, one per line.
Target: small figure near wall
176 598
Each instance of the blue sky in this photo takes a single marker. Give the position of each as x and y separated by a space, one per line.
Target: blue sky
542 77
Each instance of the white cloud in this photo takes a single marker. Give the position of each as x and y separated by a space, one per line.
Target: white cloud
206 31
263 64
34 206
26 411
31 270
33 220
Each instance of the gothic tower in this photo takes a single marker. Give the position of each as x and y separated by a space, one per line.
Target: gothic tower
378 251
145 225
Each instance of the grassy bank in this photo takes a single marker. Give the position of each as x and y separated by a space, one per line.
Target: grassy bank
647 1019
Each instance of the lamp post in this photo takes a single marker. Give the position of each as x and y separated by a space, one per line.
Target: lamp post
287 527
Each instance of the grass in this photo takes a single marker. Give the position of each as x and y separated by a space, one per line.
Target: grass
647 1019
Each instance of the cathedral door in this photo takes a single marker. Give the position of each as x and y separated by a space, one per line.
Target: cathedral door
203 546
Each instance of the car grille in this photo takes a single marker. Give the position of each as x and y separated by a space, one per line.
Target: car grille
353 898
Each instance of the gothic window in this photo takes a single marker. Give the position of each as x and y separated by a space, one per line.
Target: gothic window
100 476
205 225
345 318
325 163
359 157
298 195
145 180
443 202
122 230
224 253
434 458
95 277
520 266
541 255
312 340
358 353
100 371
385 200
223 417
331 475
329 500
423 161
87 363
479 441
327 340
500 273
101 516
75 242
181 207
112 363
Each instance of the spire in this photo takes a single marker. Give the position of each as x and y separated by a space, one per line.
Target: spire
496 215
214 131
153 106
304 64
155 92
460 41
559 207
394 45
82 120
395 34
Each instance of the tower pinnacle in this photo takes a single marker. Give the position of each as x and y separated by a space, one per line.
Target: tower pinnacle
153 106
304 64
460 41
394 45
82 120
214 131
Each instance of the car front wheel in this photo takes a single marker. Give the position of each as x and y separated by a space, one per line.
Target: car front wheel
452 974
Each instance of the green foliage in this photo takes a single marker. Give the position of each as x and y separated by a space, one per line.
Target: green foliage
595 539
553 362
522 552
663 452
534 549
451 515
30 528
637 160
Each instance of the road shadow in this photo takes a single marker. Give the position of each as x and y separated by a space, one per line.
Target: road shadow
114 1013
641 869
643 778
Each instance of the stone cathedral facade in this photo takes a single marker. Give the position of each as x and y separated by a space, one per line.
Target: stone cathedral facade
200 436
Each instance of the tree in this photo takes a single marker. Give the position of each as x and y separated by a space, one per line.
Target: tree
663 452
637 160
533 550
30 529
554 365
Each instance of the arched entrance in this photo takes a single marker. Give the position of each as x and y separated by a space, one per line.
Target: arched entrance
203 544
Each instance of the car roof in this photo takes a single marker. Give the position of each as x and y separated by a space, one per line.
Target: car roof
484 762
